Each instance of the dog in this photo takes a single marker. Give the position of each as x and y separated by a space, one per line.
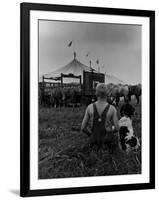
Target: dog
127 140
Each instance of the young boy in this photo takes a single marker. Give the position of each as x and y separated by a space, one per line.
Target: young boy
126 133
102 118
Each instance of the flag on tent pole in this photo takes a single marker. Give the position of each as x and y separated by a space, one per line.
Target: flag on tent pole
87 54
90 64
70 44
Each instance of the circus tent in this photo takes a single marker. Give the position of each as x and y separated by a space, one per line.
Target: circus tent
76 68
113 79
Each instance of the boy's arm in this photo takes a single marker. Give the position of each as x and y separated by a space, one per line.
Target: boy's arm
85 120
115 121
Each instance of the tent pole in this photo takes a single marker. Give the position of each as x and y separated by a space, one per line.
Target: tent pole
62 80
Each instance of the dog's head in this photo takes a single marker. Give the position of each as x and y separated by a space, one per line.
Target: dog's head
132 143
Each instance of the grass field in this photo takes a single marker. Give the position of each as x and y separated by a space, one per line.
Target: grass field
63 150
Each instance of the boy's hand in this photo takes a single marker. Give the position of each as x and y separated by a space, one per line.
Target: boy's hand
109 129
86 131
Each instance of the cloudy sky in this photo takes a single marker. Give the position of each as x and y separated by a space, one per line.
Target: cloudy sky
117 46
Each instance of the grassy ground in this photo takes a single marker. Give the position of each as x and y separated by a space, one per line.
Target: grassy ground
63 150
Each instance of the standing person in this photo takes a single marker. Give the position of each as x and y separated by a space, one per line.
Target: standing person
103 120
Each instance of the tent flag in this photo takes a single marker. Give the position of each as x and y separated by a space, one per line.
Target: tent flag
70 44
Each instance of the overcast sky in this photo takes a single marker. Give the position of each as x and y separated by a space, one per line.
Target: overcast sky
117 46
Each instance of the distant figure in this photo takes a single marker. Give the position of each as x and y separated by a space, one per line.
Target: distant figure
102 118
135 90
126 133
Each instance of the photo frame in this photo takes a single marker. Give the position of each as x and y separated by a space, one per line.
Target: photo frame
31 14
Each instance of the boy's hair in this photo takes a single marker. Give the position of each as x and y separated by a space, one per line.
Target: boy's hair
101 90
127 109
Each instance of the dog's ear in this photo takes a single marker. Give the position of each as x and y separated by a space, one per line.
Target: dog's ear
123 130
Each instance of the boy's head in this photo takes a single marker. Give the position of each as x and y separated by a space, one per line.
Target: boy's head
101 91
127 109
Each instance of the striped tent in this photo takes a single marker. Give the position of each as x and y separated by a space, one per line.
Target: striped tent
113 79
74 67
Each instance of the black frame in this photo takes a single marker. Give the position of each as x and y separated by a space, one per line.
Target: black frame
25 95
